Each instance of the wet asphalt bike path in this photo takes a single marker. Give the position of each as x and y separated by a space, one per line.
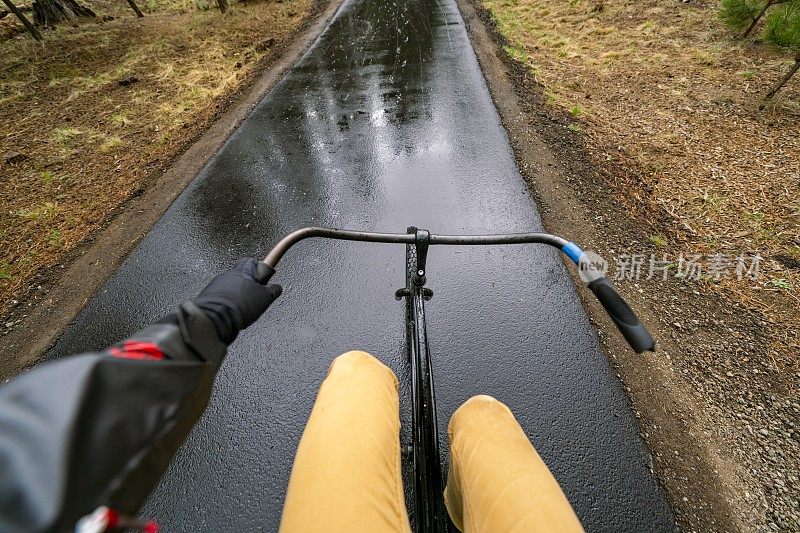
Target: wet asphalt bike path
386 122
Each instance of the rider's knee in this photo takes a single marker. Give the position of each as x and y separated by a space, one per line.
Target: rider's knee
354 358
482 401
360 362
480 405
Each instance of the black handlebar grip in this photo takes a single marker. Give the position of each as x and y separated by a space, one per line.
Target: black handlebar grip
622 315
263 272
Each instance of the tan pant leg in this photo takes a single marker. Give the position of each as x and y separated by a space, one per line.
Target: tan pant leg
346 474
497 482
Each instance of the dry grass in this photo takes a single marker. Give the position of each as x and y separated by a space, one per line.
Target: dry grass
89 143
663 88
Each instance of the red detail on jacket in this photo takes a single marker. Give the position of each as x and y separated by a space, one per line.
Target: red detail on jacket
137 350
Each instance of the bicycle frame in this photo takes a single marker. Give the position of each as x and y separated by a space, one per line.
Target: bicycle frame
428 510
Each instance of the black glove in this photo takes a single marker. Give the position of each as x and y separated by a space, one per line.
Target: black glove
236 298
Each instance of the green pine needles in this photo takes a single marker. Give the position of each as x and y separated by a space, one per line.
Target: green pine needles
740 14
783 26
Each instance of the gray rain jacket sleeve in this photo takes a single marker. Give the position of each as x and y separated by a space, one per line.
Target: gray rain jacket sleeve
99 429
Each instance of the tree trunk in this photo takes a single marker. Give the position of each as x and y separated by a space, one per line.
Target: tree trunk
785 79
223 5
768 5
31 28
135 8
48 12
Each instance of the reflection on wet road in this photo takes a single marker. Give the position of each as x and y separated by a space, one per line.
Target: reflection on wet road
386 122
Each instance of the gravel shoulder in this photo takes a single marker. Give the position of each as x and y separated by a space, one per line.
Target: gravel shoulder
718 412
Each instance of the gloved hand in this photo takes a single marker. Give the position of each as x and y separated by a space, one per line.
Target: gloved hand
236 298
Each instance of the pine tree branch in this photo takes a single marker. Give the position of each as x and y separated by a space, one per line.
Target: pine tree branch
135 8
785 79
31 28
768 5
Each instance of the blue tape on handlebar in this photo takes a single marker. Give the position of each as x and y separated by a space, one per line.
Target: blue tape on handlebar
573 251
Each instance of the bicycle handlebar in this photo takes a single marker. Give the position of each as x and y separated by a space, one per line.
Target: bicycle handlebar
623 316
274 255
615 305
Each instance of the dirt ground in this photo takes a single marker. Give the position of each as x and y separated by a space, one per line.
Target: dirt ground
637 125
91 116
